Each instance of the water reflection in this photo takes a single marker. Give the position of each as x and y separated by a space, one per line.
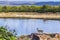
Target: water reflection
27 26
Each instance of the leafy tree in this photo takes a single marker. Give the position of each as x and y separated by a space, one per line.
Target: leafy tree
6 35
58 9
0 8
33 8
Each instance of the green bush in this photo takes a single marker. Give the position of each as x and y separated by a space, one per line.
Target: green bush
33 8
6 35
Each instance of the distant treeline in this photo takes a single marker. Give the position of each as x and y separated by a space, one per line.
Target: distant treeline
25 8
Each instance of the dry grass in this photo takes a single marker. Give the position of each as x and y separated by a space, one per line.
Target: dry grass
33 15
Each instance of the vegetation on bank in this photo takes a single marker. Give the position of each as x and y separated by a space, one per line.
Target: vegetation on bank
5 34
25 8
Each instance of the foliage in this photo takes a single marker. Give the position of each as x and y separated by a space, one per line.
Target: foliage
6 35
33 8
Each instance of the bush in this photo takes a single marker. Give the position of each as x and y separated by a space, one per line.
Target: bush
6 35
25 8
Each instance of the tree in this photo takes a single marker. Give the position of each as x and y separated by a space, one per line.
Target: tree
44 8
58 8
6 35
0 8
33 8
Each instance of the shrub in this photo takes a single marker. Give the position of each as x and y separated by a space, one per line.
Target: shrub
33 8
6 35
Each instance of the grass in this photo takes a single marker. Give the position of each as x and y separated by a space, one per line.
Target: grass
32 15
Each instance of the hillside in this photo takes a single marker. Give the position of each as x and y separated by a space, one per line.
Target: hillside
18 3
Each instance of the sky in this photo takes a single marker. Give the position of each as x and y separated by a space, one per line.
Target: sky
28 26
31 0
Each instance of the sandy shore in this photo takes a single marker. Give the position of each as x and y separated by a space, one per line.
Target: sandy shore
32 15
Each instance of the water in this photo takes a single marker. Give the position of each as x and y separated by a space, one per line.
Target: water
28 26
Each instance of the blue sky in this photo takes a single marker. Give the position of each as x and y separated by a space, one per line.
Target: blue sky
30 0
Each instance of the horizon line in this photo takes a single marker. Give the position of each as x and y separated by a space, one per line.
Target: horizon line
38 1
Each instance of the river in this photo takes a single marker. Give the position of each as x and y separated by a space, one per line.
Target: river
28 26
